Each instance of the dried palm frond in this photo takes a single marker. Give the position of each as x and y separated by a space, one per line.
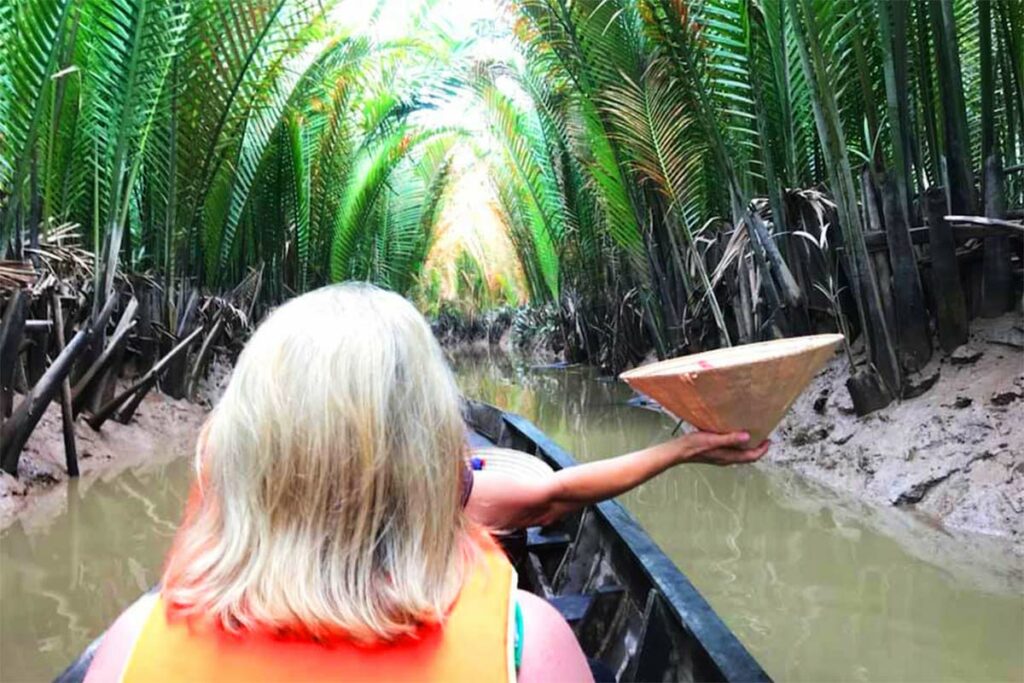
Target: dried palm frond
61 253
16 274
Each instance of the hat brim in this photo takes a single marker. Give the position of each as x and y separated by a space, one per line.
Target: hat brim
512 463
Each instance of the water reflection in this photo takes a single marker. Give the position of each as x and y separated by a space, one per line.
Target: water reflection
818 587
85 554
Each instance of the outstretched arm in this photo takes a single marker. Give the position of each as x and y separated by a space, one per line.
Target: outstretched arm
502 502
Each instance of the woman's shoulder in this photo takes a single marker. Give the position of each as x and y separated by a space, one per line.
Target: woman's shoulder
119 641
550 649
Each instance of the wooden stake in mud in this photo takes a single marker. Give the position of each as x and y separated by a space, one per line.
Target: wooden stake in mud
125 414
80 391
66 415
997 277
950 306
204 352
145 335
143 385
17 429
915 343
873 219
37 333
11 329
174 383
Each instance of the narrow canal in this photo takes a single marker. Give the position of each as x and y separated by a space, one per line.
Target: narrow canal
819 588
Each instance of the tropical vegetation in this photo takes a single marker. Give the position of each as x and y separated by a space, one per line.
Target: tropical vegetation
672 174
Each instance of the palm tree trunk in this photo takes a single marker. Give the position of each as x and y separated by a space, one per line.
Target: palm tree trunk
879 341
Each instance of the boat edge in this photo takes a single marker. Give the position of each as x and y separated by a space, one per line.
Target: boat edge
726 651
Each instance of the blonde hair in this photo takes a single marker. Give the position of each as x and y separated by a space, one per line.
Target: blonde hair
329 477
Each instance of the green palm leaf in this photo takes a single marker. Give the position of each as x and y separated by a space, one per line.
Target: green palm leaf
300 205
32 34
233 182
526 154
368 181
130 45
652 121
230 50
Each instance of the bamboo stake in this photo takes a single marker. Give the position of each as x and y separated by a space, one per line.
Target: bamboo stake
103 414
915 343
124 326
11 330
997 279
878 260
950 306
66 413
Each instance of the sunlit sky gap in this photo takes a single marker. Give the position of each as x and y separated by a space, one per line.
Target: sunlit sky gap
481 30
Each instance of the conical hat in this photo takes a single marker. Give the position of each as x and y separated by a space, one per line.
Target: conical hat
742 388
513 463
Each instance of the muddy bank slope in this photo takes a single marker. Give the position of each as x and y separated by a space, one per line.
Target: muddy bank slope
163 428
955 453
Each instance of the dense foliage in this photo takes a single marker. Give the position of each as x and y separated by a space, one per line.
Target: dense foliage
200 139
672 173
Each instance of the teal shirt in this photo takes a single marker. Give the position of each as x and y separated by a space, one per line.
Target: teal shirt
518 643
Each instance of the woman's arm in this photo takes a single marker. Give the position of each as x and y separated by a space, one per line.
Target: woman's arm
501 502
550 650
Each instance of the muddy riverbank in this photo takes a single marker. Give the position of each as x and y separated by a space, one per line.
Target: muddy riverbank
163 428
954 453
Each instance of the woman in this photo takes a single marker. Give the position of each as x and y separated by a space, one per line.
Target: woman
328 539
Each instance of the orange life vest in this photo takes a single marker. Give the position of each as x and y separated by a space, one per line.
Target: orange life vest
473 643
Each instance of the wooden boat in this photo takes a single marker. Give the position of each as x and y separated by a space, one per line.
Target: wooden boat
631 608
629 605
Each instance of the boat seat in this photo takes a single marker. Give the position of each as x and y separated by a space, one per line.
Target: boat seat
538 538
572 607
575 607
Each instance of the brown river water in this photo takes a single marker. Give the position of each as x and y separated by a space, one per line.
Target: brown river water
819 588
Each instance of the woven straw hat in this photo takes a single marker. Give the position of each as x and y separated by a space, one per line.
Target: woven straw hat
741 388
512 463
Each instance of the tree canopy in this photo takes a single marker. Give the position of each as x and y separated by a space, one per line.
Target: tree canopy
676 171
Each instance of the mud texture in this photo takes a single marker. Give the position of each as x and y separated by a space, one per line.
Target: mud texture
954 453
163 428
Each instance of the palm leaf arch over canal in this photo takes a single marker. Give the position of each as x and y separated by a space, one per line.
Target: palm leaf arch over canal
672 175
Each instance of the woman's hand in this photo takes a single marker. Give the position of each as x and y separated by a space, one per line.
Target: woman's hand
717 449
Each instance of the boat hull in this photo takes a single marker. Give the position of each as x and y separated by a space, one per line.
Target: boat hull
629 604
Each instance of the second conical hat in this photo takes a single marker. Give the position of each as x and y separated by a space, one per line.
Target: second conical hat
512 463
742 388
